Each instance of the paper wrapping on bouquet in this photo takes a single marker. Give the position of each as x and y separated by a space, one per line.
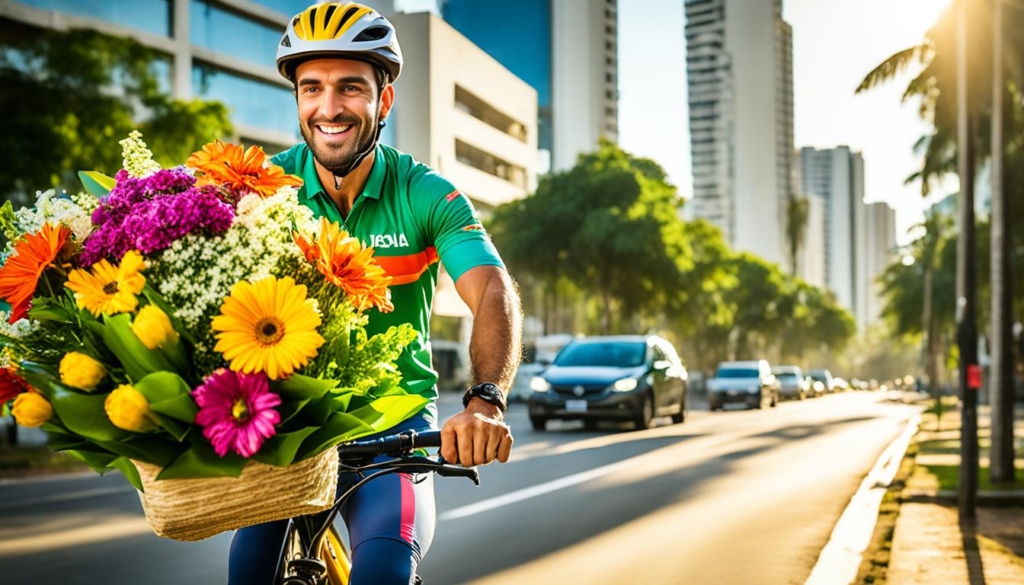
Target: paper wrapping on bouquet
194 509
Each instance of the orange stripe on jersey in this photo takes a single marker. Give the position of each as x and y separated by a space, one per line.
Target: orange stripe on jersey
408 268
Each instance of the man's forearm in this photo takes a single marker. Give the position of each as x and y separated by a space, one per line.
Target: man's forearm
496 344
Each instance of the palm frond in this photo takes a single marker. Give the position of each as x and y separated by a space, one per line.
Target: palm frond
891 67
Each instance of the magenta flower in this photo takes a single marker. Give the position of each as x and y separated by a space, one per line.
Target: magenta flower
236 411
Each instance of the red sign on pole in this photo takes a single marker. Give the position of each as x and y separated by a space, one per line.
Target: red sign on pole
973 376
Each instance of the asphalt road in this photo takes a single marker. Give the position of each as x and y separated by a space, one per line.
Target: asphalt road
736 497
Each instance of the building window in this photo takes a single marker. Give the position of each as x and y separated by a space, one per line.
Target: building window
609 78
252 103
225 32
488 114
609 29
152 16
482 160
610 94
609 45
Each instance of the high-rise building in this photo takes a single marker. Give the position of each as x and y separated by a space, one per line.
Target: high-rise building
811 256
739 63
837 175
880 251
567 50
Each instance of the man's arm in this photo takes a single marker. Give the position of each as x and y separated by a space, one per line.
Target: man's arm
478 435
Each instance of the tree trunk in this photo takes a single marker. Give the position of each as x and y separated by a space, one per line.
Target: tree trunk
1001 468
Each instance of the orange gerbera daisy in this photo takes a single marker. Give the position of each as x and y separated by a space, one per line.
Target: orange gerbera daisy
347 264
20 274
242 171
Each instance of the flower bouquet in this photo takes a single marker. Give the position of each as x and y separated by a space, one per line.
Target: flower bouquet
197 329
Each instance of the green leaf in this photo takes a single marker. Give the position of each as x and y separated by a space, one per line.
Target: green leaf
137 359
96 183
289 408
146 448
384 413
84 415
168 395
281 448
97 460
172 426
201 461
129 471
299 387
339 427
45 310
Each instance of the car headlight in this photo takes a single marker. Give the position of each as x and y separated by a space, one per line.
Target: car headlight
624 385
538 384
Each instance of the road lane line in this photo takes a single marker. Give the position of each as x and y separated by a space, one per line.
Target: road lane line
841 557
534 491
93 493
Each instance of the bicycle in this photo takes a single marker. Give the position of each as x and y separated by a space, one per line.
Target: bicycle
313 552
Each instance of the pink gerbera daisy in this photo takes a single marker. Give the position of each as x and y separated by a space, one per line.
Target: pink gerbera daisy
236 411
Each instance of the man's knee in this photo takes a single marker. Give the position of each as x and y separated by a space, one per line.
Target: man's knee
384 561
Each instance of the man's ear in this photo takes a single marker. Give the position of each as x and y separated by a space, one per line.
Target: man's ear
387 100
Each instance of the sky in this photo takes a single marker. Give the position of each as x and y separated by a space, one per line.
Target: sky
835 44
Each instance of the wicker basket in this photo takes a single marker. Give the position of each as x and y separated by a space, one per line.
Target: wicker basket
194 509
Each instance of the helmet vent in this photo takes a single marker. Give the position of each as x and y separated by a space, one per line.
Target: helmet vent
374 33
329 9
286 41
348 14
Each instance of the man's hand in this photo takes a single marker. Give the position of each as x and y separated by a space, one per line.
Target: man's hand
476 436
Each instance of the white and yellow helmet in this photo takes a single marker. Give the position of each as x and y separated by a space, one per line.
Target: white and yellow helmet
342 30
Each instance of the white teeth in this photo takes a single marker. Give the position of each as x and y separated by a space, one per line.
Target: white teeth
334 129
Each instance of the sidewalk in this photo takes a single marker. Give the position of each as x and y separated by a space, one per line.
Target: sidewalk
929 546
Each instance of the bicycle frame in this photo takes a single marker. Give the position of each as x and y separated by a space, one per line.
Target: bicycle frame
312 531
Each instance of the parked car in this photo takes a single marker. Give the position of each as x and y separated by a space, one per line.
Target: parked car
792 383
746 382
627 377
828 384
545 348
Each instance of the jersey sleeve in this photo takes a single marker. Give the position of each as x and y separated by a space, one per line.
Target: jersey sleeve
453 226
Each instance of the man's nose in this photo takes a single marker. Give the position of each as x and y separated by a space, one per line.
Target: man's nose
331 105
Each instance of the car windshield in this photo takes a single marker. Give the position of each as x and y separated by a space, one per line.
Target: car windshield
786 376
737 373
819 376
611 354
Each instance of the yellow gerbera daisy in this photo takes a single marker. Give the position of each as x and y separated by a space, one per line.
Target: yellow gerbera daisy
107 289
268 326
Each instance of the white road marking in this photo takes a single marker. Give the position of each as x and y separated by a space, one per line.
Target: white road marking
841 557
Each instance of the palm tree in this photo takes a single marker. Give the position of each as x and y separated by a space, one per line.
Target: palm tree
935 84
796 228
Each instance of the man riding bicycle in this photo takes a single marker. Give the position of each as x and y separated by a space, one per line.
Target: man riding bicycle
342 59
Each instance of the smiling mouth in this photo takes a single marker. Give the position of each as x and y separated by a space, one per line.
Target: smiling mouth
333 130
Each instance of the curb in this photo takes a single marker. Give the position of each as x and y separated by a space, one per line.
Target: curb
992 498
840 559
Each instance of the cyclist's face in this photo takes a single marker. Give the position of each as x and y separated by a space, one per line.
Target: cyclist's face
338 105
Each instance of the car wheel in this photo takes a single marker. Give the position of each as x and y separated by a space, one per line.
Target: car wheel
539 424
681 416
646 415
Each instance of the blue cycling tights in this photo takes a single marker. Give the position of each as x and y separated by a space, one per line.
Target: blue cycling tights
390 523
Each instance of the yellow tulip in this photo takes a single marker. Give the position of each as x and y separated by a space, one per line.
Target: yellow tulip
153 327
81 371
31 409
129 410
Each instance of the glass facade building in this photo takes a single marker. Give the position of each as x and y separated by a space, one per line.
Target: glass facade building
522 44
229 54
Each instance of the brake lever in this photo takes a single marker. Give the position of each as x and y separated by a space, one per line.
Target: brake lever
446 469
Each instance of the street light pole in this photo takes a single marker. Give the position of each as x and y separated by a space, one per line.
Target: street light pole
967 329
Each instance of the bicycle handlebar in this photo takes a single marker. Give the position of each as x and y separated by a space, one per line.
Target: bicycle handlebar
402 445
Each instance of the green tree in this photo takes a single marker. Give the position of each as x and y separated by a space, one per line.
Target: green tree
797 209
70 96
610 225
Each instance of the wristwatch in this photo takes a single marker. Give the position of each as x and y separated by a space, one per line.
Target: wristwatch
488 392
